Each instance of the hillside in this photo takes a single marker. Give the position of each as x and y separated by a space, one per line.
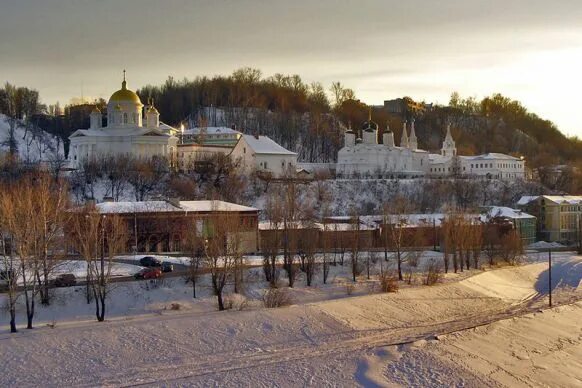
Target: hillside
304 119
32 143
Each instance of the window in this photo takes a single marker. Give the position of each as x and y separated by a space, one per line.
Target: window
244 150
124 118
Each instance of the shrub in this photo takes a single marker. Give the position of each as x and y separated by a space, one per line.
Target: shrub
433 274
235 301
389 282
350 287
276 297
175 306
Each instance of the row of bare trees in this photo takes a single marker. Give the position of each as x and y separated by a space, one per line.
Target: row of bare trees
31 219
36 227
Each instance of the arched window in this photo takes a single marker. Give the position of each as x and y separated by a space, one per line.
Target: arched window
124 118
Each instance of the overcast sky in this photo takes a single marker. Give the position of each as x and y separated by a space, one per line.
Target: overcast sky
530 50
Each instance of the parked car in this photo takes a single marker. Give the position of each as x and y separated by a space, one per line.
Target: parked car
149 273
65 280
167 267
150 261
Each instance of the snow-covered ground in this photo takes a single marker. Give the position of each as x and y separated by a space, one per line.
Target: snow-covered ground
327 338
79 269
32 146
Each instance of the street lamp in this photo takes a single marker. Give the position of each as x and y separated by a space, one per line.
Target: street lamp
182 133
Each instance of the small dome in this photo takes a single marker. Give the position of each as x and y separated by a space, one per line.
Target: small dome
125 95
369 126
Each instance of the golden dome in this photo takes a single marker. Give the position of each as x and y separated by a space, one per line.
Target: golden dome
125 95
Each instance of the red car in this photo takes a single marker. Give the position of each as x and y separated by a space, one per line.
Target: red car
149 273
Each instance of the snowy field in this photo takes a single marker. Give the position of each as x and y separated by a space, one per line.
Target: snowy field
419 336
79 269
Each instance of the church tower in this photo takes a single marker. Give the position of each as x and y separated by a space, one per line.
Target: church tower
449 147
370 130
413 142
388 137
95 118
152 116
350 136
124 108
404 138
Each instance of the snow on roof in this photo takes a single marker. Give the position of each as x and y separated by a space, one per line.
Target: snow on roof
506 212
524 200
138 131
268 225
211 131
565 199
437 158
491 156
264 145
165 207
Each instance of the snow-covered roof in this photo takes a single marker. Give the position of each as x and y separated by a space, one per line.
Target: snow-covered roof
268 225
264 145
165 207
491 156
137 131
211 131
559 199
438 158
524 200
506 212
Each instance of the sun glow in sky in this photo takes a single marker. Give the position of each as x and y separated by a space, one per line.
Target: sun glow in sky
529 50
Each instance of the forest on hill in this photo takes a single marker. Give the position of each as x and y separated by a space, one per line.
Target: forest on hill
311 118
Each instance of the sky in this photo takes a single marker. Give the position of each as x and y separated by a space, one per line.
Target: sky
529 50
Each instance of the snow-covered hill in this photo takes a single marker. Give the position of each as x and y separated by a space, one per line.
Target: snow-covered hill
33 144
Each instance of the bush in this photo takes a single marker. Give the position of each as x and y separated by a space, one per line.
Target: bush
175 306
433 274
350 287
389 282
235 301
276 297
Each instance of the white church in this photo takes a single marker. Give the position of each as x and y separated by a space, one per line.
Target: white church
125 132
364 155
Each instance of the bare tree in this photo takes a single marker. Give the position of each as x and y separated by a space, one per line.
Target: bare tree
193 244
145 175
394 215
19 218
98 238
355 244
50 210
222 249
9 265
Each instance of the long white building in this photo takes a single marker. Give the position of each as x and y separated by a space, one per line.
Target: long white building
364 155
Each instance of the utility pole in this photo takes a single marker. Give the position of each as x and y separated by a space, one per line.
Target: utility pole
550 273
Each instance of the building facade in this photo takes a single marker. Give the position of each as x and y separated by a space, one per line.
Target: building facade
559 216
161 226
263 155
125 131
365 156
